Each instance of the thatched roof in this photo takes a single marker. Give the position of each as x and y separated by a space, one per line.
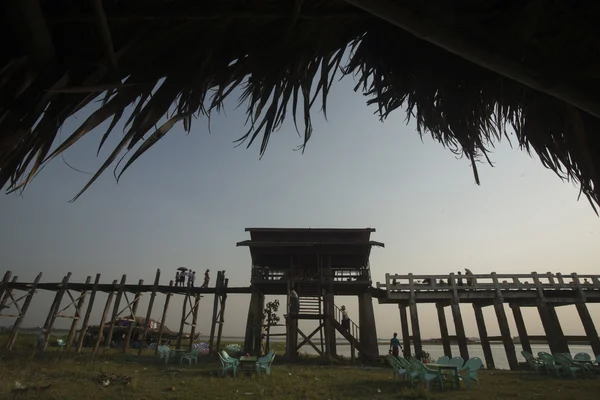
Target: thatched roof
467 71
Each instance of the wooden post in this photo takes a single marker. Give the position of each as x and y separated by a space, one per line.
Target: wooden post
103 319
213 325
460 330
115 313
521 329
133 323
197 298
88 313
163 319
149 312
586 319
5 282
254 322
556 339
222 316
183 317
444 329
509 345
368 330
15 330
405 331
59 295
483 337
77 315
416 332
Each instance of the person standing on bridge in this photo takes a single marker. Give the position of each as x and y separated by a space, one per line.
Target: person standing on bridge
206 279
395 345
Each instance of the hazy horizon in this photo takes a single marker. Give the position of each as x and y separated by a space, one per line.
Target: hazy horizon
187 201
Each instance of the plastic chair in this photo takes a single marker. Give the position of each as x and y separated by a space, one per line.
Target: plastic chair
427 375
264 363
443 360
532 361
549 363
582 357
193 355
458 361
228 365
411 371
396 367
164 352
471 367
568 366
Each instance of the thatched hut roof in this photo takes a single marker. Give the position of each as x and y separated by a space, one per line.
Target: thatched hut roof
468 72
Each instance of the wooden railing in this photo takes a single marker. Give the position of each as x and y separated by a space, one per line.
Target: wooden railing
493 281
337 275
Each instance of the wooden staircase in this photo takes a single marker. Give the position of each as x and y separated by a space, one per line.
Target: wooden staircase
310 298
351 334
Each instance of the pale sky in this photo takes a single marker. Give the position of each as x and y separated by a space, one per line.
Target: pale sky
187 202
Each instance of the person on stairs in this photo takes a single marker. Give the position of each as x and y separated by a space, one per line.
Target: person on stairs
345 319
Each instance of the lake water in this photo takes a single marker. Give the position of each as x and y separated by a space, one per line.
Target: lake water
475 350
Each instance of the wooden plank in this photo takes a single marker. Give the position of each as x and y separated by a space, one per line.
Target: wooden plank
483 337
107 305
5 282
163 318
444 330
405 332
59 296
133 323
310 342
307 338
88 313
77 317
15 329
521 329
149 313
115 313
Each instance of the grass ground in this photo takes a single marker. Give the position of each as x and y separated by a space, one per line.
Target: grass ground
76 377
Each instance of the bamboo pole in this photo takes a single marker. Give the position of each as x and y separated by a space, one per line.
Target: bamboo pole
133 323
149 312
88 313
77 315
103 319
433 31
164 317
15 330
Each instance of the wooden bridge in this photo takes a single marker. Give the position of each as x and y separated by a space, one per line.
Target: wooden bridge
543 291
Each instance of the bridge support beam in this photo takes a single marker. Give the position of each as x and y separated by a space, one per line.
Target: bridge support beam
588 325
368 329
554 333
416 331
444 329
483 337
254 326
330 342
520 322
460 330
509 345
405 331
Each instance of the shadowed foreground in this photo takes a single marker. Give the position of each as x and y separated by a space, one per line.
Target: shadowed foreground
76 378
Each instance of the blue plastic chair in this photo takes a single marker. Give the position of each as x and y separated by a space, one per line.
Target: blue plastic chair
264 363
469 372
227 365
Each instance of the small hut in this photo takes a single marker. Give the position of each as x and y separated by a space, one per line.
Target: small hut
468 72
